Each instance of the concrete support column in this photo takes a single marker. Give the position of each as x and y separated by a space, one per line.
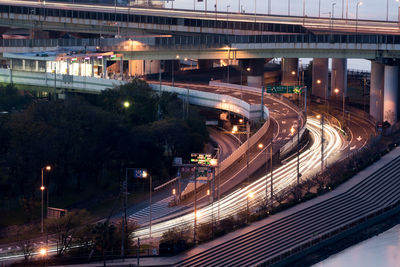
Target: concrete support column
290 71
205 64
376 94
390 95
152 66
92 65
255 77
339 76
320 77
105 67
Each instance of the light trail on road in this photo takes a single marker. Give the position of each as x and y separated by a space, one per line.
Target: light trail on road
283 177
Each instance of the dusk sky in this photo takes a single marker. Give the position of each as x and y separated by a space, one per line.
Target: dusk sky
370 9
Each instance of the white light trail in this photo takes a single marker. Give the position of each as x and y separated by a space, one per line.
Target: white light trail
283 177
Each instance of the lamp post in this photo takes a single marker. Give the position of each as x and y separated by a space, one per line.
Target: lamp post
343 100
387 10
398 13
358 4
319 8
249 195
144 175
321 117
269 7
42 188
333 14
288 11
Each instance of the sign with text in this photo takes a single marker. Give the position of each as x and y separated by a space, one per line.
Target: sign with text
284 89
201 159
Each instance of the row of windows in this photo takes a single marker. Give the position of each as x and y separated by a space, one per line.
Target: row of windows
152 19
218 40
228 39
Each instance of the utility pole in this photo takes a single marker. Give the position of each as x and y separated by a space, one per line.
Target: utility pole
298 150
272 181
322 143
55 82
195 207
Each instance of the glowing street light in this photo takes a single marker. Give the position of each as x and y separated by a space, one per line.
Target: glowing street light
126 104
292 130
358 4
42 188
213 162
260 146
43 252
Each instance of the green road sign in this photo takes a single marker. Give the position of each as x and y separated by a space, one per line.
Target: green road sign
201 159
284 89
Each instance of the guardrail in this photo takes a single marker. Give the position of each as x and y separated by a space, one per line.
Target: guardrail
46 79
292 142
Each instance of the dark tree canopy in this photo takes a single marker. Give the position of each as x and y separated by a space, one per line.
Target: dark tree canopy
89 141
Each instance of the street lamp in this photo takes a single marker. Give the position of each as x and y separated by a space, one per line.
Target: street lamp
249 195
42 188
321 118
398 13
358 4
43 252
126 104
261 146
333 13
343 100
288 8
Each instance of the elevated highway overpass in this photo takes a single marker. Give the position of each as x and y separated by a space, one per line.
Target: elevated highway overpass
123 20
374 47
383 50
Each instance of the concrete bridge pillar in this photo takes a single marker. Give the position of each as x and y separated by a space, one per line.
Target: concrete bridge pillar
205 64
255 76
390 95
376 94
320 77
339 76
290 71
152 66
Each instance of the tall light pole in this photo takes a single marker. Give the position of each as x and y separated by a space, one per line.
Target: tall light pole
288 11
321 117
239 6
398 13
269 7
42 188
347 10
249 195
343 100
358 4
342 9
387 10
255 10
333 13
319 8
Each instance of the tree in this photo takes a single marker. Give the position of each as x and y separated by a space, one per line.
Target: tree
66 228
11 99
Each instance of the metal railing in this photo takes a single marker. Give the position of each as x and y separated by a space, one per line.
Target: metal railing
209 40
